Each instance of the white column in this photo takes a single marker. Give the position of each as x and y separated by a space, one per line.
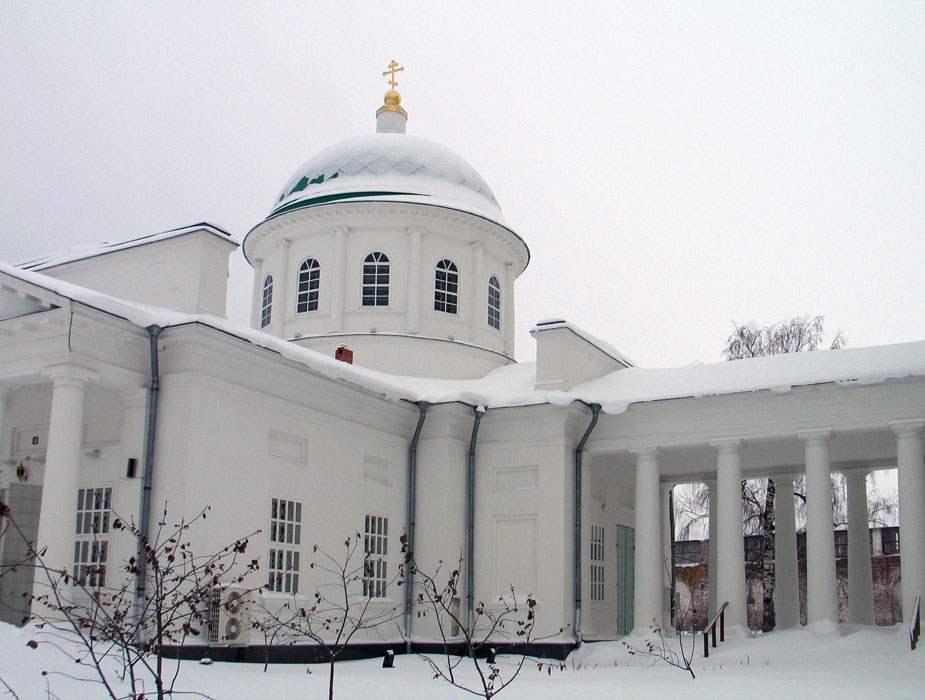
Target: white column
338 279
667 537
730 549
860 577
413 310
786 572
62 463
281 298
507 301
257 301
911 467
712 568
821 601
647 591
478 311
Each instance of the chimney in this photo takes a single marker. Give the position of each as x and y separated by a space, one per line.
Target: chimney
344 354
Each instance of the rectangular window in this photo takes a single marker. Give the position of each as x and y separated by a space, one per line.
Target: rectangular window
841 544
285 540
597 562
376 548
890 541
91 548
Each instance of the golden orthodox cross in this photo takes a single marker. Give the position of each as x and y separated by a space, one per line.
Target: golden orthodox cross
393 69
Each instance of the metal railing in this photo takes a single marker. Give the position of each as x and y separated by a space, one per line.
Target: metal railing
915 626
710 630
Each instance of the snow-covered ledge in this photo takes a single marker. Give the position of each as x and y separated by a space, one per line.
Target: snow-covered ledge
567 356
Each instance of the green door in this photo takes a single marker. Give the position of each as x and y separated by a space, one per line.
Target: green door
626 548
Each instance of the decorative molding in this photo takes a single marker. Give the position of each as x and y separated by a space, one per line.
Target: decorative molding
815 434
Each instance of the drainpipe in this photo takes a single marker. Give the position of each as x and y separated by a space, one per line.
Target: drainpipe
154 332
673 615
470 523
412 495
595 412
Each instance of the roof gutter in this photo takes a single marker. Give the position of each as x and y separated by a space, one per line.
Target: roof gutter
595 413
154 332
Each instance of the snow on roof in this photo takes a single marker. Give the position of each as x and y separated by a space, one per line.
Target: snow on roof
390 167
513 385
601 345
81 252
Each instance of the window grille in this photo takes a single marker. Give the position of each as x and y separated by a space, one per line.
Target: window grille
309 284
494 303
266 306
376 548
285 538
597 562
91 547
376 280
446 287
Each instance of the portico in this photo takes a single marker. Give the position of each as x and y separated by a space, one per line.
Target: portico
808 431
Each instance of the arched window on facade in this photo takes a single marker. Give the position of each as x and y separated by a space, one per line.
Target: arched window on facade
494 302
376 280
446 287
309 283
266 306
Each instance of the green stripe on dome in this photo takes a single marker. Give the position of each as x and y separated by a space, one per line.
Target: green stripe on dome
323 199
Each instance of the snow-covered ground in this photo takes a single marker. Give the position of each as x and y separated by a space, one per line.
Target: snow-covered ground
855 662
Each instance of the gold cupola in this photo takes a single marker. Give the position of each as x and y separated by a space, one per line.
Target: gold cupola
391 116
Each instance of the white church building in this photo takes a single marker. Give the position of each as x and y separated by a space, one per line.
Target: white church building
121 378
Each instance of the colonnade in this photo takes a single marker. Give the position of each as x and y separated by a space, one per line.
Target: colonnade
727 558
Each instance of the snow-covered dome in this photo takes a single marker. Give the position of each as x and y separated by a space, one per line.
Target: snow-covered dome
392 167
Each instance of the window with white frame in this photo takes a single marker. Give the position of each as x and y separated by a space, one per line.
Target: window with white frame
376 548
309 283
446 287
597 562
494 302
91 547
266 304
376 280
285 538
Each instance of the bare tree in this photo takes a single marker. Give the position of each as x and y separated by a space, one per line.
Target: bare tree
506 621
95 624
338 610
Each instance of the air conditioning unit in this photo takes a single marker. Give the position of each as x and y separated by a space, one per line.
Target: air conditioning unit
234 616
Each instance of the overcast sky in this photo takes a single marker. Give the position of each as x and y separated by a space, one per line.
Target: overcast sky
672 166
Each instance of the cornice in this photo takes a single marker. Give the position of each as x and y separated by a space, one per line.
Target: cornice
425 212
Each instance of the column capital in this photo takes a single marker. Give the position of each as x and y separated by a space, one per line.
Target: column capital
647 451
284 242
907 427
815 435
69 375
340 229
856 472
477 245
416 230
727 444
